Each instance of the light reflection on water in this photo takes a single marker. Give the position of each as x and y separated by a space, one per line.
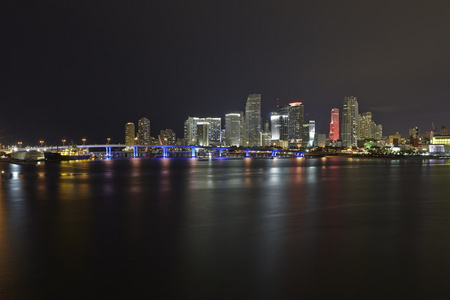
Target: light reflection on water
256 227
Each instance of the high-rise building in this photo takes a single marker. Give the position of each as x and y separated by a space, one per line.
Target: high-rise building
168 137
214 130
253 120
334 125
143 133
279 124
295 126
349 132
129 133
233 129
312 133
202 134
414 132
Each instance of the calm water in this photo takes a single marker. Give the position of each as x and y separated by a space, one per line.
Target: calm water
250 228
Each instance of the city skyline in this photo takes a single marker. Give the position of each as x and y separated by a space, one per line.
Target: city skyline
78 73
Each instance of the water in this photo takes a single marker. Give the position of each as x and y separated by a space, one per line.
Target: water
246 228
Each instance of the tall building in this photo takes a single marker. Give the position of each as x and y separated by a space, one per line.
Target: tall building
143 133
202 134
129 133
168 137
414 132
253 120
334 125
233 129
349 132
214 130
312 133
279 124
295 126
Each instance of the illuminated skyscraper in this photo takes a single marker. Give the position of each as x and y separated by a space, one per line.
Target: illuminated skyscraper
233 129
143 133
253 120
129 133
202 134
214 126
295 128
334 125
349 133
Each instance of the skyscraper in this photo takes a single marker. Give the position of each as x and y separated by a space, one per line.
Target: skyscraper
295 128
334 124
233 129
129 133
214 126
143 133
253 120
349 133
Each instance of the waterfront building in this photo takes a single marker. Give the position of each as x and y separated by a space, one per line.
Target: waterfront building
214 130
143 134
253 120
233 127
202 134
168 137
279 125
349 132
129 133
440 140
295 126
334 125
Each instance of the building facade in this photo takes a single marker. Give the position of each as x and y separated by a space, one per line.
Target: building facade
334 125
129 133
143 133
349 132
253 120
295 126
168 137
233 129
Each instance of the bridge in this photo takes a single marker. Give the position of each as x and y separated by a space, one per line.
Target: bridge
117 150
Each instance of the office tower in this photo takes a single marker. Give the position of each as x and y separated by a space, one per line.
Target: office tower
365 126
233 129
253 120
129 133
202 134
143 133
334 125
444 130
190 130
349 132
215 130
168 137
295 126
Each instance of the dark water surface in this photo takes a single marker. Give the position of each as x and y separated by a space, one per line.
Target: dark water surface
250 228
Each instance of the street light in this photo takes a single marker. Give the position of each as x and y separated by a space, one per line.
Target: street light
41 142
108 140
64 142
20 144
84 141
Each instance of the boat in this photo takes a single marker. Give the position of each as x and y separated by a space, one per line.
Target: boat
54 156
27 156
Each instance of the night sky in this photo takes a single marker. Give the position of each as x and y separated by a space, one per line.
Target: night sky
82 69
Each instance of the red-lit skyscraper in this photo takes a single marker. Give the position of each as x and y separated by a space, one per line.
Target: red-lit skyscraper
334 125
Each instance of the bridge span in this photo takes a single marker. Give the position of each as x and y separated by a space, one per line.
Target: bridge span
123 150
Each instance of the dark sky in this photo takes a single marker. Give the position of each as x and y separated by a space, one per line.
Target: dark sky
74 69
